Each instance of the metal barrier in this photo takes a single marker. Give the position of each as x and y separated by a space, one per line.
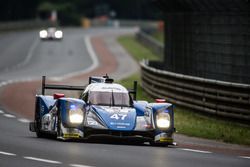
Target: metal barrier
225 99
151 24
154 45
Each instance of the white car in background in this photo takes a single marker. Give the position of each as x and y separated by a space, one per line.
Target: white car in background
51 34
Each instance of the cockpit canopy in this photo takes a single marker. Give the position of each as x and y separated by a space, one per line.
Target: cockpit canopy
108 94
109 98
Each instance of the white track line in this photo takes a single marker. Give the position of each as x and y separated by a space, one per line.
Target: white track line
6 153
42 160
245 157
197 151
2 84
91 53
79 165
27 58
23 120
9 116
1 112
30 54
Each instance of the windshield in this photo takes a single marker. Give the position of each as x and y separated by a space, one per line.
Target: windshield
109 98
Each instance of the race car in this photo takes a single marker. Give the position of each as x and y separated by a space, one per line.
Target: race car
51 34
104 109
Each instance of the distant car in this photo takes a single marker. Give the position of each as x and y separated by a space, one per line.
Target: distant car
104 109
51 34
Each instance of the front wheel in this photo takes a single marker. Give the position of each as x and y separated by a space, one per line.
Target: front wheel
59 133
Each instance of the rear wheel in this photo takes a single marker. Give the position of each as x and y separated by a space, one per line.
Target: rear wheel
39 132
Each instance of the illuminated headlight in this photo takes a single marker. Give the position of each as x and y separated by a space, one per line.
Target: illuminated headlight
58 34
43 34
75 115
163 120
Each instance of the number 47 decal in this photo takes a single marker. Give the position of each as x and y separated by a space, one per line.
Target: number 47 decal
118 116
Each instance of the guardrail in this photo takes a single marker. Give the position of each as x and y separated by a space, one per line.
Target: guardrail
147 40
151 24
220 98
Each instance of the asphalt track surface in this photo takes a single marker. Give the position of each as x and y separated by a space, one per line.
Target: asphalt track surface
24 55
19 147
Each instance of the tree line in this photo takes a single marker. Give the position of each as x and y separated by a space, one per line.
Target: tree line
70 12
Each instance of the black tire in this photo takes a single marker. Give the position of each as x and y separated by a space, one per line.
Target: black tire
152 143
39 132
59 121
59 131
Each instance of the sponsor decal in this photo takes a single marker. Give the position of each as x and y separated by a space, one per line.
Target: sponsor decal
71 135
92 123
117 109
120 123
163 138
118 116
121 127
169 140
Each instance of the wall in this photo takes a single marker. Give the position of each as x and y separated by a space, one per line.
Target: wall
214 46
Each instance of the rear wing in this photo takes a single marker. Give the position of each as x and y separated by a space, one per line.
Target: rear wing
79 88
103 79
59 87
134 90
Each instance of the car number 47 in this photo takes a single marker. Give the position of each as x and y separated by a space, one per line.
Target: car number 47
118 116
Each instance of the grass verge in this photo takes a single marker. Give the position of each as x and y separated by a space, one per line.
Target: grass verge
136 49
186 121
159 36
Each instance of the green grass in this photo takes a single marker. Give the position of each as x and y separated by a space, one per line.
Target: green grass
198 125
186 121
136 49
159 36
128 83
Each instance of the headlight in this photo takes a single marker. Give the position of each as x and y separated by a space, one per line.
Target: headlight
75 115
163 120
43 34
58 34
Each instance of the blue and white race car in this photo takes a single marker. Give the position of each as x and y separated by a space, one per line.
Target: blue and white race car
104 109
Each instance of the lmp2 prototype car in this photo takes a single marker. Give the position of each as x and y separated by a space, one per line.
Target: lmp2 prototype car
104 109
51 34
